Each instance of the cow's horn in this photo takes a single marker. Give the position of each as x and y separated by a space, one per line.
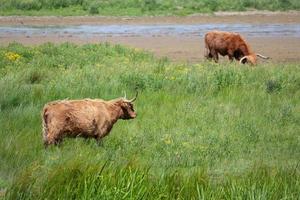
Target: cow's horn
242 59
124 95
134 98
264 57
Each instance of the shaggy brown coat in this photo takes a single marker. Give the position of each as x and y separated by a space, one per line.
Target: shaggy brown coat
88 118
231 44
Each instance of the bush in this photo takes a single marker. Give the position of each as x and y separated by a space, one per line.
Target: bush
150 5
94 8
226 77
29 5
273 86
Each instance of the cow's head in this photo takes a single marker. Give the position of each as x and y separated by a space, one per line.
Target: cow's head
252 59
127 108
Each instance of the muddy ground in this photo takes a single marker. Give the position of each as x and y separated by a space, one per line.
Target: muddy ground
177 48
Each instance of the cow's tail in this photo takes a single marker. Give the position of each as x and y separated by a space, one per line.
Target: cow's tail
206 47
206 51
45 125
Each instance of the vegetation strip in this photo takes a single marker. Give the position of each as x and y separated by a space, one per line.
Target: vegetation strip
137 7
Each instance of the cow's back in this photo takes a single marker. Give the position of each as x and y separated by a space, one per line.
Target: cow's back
75 116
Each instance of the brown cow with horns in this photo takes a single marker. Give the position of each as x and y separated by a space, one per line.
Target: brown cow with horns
88 118
231 44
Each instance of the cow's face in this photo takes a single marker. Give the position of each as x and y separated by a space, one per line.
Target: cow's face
251 59
128 110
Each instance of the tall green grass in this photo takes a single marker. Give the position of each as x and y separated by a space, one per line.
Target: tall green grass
138 7
203 131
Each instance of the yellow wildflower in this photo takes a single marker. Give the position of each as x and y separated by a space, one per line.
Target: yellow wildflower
12 56
186 144
168 139
126 60
170 77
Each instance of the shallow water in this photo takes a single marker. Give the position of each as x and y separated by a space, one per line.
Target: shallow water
255 30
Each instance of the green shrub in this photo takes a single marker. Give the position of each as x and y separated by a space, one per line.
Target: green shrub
150 5
94 9
273 86
29 5
226 77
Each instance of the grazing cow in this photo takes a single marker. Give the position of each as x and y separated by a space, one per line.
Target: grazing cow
231 44
88 118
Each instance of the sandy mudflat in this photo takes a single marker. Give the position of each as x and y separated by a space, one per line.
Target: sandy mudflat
178 48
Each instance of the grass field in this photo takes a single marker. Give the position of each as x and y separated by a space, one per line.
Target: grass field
138 7
203 131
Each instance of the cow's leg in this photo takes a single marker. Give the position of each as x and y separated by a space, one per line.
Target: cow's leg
100 143
49 140
99 140
52 138
98 136
208 55
238 55
230 55
215 56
